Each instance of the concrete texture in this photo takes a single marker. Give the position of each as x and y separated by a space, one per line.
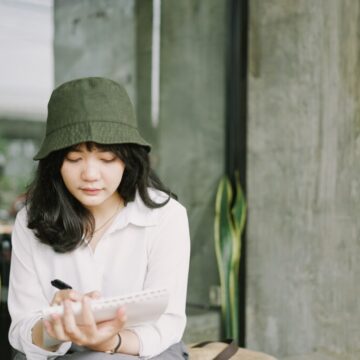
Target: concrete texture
95 38
191 129
113 38
202 325
303 179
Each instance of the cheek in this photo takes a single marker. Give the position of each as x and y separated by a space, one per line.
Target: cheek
66 175
63 172
116 175
119 178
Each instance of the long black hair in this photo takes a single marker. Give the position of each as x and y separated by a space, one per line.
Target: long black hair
59 219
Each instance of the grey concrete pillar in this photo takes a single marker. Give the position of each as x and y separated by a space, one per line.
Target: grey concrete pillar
303 178
192 125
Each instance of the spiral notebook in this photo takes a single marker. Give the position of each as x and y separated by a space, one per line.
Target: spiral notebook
141 307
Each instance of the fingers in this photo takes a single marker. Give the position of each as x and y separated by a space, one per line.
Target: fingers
71 328
48 327
94 294
87 314
66 328
82 330
72 295
63 327
117 323
55 328
121 316
107 330
63 295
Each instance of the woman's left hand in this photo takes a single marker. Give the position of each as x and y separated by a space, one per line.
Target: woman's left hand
96 336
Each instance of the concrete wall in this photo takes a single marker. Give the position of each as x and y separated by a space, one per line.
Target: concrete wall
191 129
303 178
95 38
113 38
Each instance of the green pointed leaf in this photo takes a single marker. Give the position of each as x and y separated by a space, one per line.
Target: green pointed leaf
223 246
230 215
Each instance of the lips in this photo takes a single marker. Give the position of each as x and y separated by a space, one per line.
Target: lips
89 191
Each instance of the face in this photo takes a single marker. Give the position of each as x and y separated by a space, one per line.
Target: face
93 176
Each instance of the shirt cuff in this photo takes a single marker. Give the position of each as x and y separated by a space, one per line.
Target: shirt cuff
33 351
149 339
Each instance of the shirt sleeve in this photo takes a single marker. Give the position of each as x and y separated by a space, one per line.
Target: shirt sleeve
26 298
168 267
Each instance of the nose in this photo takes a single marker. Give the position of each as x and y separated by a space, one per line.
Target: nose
90 171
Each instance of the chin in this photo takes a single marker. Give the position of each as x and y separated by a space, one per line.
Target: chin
94 202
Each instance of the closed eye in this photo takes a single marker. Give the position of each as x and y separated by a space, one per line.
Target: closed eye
73 160
108 160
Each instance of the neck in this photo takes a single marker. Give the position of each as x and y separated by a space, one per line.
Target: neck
107 222
106 211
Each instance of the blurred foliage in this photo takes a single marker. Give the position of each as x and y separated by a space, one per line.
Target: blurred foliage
230 216
12 183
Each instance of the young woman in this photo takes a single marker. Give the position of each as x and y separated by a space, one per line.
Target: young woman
99 219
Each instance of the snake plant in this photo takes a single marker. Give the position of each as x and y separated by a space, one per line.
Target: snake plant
230 215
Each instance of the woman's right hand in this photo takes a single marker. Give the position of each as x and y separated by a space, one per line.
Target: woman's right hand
72 295
100 336
58 299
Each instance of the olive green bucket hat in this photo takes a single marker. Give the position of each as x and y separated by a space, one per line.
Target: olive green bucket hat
89 109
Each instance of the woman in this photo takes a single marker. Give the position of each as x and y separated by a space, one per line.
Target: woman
97 218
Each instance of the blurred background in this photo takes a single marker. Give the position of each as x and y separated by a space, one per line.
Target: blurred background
266 87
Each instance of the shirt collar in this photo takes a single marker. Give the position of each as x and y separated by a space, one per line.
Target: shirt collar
137 213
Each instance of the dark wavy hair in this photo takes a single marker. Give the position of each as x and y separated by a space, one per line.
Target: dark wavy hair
59 219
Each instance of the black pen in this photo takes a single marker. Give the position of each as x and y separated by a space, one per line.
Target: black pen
60 284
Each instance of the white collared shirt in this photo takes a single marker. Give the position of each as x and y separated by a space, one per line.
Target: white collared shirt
143 249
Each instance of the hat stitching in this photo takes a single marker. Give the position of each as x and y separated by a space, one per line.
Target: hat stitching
86 122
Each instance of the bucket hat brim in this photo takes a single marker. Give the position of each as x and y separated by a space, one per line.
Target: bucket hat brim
101 132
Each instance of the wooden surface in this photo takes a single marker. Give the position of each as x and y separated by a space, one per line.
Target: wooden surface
210 351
